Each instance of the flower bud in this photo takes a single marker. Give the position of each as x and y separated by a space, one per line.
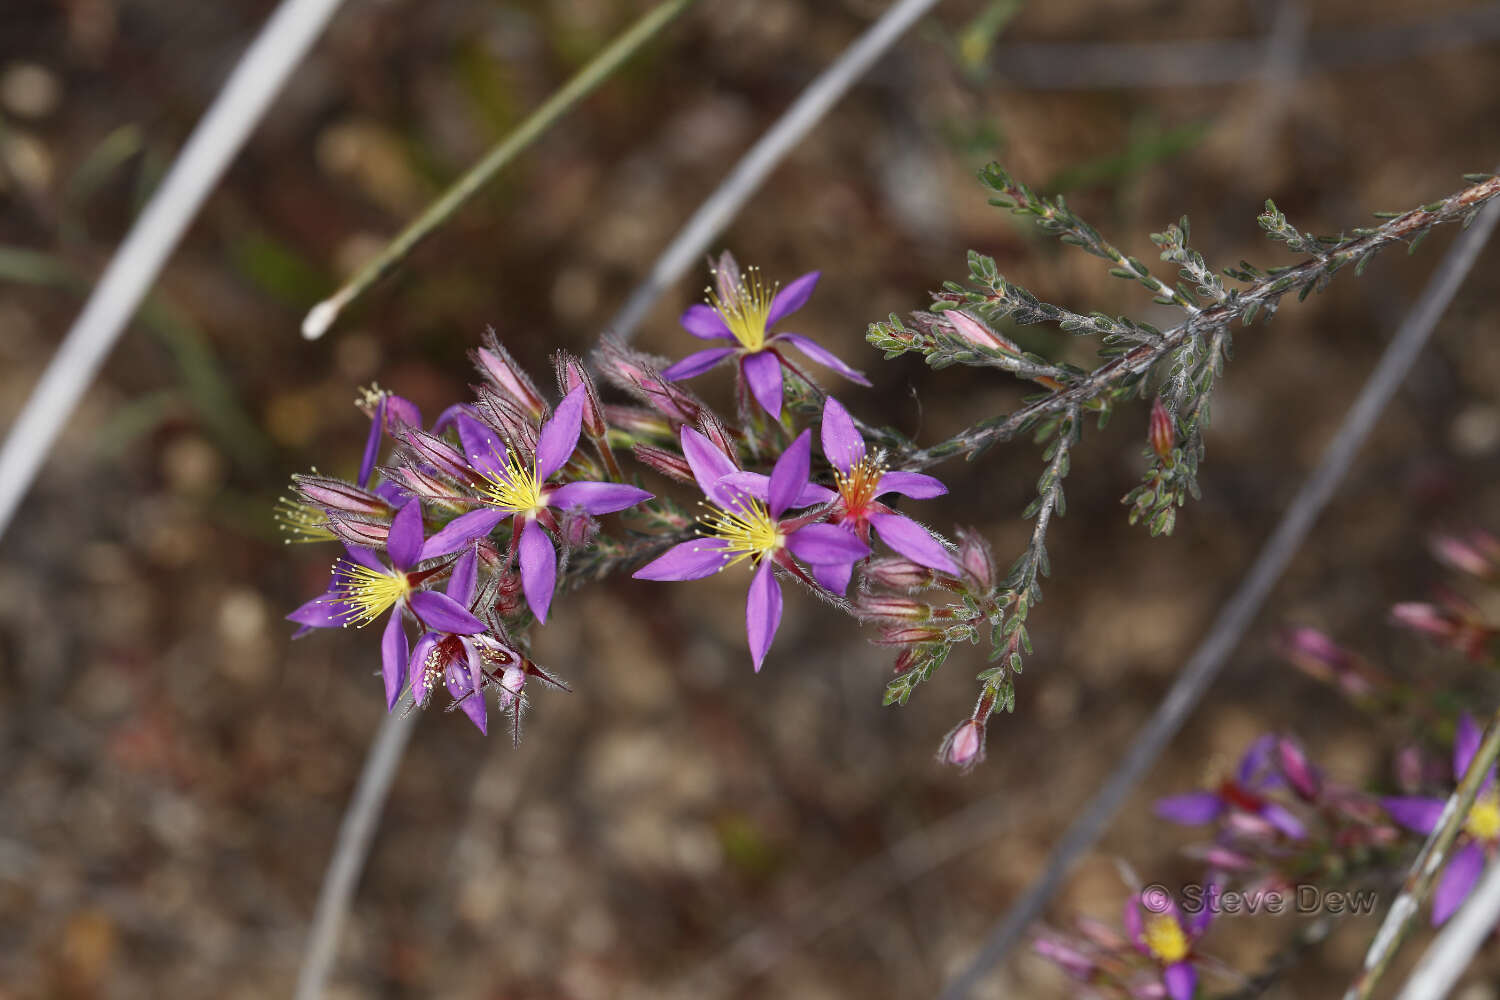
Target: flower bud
977 559
500 369
1163 431
964 746
977 333
713 428
906 635
638 423
570 375
897 573
1065 956
638 374
354 532
1467 555
668 464
890 608
436 452
511 683
334 494
1302 776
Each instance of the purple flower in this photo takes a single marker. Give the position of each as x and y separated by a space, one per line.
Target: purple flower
463 661
742 527
363 588
1481 831
861 479
1242 793
1165 935
739 313
515 485
386 410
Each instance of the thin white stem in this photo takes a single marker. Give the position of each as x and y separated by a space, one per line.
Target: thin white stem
1237 614
355 834
1450 954
255 82
725 203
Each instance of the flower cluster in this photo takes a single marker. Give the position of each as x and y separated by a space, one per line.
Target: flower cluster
471 527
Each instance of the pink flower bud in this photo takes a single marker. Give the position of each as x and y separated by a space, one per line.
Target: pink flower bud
1303 777
713 428
570 375
976 557
1163 432
665 462
1464 554
500 369
964 746
347 529
1065 956
897 573
638 423
977 333
334 494
907 635
890 607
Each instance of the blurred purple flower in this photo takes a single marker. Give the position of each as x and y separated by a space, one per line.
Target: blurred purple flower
1166 935
514 485
1481 831
363 588
740 527
741 309
1243 792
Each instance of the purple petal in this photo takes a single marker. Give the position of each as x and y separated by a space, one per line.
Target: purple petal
463 577
818 353
560 434
1457 882
709 465
1255 766
917 485
393 660
1417 814
1135 927
323 611
473 704
758 486
596 498
842 443
461 531
372 443
482 447
913 541
1282 819
696 363
762 612
789 475
1465 745
400 410
449 417
1181 980
762 371
690 560
826 543
705 323
404 543
1192 809
791 298
441 613
834 576
538 569
421 685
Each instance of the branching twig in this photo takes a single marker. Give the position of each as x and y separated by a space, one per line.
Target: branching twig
602 67
1237 614
256 80
1424 869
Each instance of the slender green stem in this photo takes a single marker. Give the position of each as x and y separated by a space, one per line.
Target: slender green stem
584 82
1424 869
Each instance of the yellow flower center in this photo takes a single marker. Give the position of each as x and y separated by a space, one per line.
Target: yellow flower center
746 309
1484 819
1165 940
514 489
750 531
369 593
859 485
302 522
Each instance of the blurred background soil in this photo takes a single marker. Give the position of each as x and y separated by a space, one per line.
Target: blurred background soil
173 770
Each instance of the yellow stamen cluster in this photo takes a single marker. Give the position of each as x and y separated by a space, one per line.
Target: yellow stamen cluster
1483 822
746 309
369 593
303 522
514 489
1165 939
750 531
369 398
859 485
